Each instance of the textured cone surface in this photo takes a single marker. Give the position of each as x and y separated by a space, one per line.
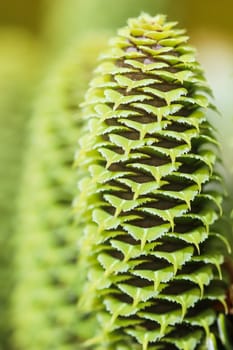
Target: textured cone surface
150 196
45 313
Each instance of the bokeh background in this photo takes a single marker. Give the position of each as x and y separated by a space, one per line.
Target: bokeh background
34 34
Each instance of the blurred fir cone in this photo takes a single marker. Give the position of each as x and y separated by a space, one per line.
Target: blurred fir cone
49 283
150 196
20 63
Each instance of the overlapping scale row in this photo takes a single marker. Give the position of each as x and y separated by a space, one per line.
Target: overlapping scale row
150 195
49 285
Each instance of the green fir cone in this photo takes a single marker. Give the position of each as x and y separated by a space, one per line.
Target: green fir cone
150 196
45 312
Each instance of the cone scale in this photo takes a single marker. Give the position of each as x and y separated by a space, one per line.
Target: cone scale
150 195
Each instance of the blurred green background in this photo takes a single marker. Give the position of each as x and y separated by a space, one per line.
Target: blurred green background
53 25
34 34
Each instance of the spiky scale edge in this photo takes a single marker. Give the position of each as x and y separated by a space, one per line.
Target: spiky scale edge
150 247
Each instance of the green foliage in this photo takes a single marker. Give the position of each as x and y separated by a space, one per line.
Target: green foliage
19 67
150 196
49 283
